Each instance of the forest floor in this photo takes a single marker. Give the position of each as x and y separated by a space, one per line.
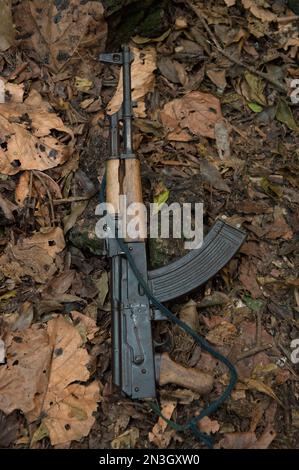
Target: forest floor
217 89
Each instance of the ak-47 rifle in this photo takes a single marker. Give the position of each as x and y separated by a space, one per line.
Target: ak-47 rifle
136 293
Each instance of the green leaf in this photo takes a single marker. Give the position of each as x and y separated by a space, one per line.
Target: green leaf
40 433
256 108
253 304
271 188
284 114
161 199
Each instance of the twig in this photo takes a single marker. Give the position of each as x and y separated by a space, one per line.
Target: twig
253 351
287 19
259 347
67 200
220 49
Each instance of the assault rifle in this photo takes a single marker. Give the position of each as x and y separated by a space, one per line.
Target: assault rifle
136 293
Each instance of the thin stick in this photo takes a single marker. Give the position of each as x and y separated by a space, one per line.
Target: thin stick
67 200
287 19
218 46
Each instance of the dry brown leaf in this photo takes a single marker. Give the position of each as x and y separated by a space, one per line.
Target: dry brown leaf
261 387
57 30
230 3
208 426
88 323
26 132
237 440
43 364
258 11
222 334
34 256
6 26
22 377
143 80
188 314
68 407
193 115
22 188
7 208
159 436
279 228
14 92
127 440
248 276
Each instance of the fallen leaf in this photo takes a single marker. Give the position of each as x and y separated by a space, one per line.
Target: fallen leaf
14 92
22 190
237 440
127 440
208 426
284 114
7 32
27 138
261 387
33 256
144 40
258 11
222 334
102 285
248 277
212 175
43 364
255 88
142 79
7 208
89 324
21 378
83 84
55 31
222 140
193 115
159 436
188 314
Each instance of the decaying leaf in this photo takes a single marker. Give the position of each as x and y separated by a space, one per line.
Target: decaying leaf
22 377
255 384
33 256
143 79
258 11
208 426
55 31
191 116
22 188
159 435
248 277
7 33
127 440
44 364
27 138
222 333
212 175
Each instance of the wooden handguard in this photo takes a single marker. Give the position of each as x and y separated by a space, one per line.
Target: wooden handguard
124 179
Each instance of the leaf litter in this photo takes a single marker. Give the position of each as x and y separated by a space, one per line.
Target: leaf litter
216 124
